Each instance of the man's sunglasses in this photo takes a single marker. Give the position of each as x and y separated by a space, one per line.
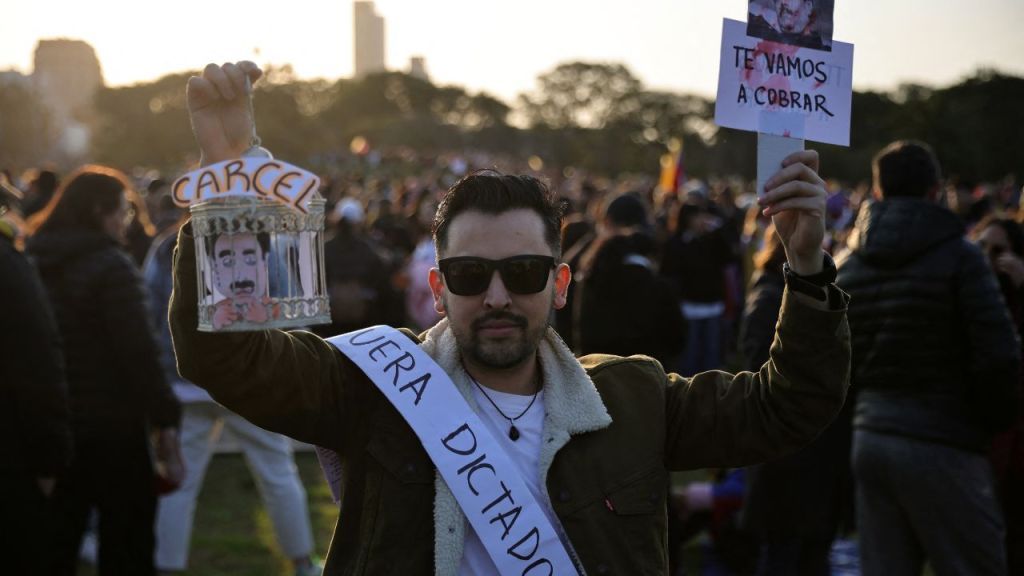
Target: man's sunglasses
469 275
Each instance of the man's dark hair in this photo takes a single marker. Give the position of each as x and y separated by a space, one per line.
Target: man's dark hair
492 192
262 238
906 168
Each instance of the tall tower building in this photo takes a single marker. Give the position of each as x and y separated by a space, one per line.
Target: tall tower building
418 68
369 39
67 75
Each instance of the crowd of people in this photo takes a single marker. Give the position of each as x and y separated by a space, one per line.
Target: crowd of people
925 462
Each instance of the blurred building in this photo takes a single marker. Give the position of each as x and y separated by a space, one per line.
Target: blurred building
14 78
369 39
66 74
418 68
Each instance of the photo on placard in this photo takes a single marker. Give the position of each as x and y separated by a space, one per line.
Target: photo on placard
804 23
235 272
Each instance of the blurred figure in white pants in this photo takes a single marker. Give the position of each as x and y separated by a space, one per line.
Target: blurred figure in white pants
269 455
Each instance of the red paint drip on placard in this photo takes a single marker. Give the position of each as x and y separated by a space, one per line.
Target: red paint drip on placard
775 81
765 46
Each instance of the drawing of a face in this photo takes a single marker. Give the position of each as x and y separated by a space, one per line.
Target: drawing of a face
794 15
239 266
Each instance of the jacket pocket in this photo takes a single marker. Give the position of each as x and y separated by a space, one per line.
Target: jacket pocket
638 520
621 530
642 495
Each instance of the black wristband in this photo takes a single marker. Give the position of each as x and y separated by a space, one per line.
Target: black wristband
813 285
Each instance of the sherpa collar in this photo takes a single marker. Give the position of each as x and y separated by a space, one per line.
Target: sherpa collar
572 405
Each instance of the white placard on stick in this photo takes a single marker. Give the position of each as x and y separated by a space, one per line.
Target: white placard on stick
784 90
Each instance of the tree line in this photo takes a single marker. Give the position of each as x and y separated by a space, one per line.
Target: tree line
595 116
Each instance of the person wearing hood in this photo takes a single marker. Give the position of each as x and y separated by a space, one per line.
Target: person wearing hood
118 392
935 366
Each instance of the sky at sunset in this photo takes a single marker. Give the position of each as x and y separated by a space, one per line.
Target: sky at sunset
502 45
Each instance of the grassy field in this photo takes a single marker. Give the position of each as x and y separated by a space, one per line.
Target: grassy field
233 535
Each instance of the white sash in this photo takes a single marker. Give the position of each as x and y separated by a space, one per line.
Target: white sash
508 519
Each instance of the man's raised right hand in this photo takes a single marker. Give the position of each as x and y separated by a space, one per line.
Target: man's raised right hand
218 106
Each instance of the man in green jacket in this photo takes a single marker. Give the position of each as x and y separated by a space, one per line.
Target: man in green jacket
594 438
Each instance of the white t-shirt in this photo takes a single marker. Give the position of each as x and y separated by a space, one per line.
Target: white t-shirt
524 453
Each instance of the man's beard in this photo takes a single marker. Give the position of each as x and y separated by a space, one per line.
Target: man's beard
502 353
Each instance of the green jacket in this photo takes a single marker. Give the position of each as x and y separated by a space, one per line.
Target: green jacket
614 428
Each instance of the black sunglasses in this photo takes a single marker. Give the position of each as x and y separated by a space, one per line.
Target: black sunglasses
470 275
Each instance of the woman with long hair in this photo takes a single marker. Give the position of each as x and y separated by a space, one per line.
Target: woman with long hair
794 506
117 391
1002 240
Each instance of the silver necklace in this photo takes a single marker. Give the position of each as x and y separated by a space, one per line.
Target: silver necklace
513 432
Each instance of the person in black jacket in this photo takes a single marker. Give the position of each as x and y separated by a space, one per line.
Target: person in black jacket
935 367
694 261
35 432
1002 239
764 300
608 318
794 505
358 277
117 388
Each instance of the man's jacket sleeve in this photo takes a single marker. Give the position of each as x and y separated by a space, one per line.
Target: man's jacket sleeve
287 382
716 419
